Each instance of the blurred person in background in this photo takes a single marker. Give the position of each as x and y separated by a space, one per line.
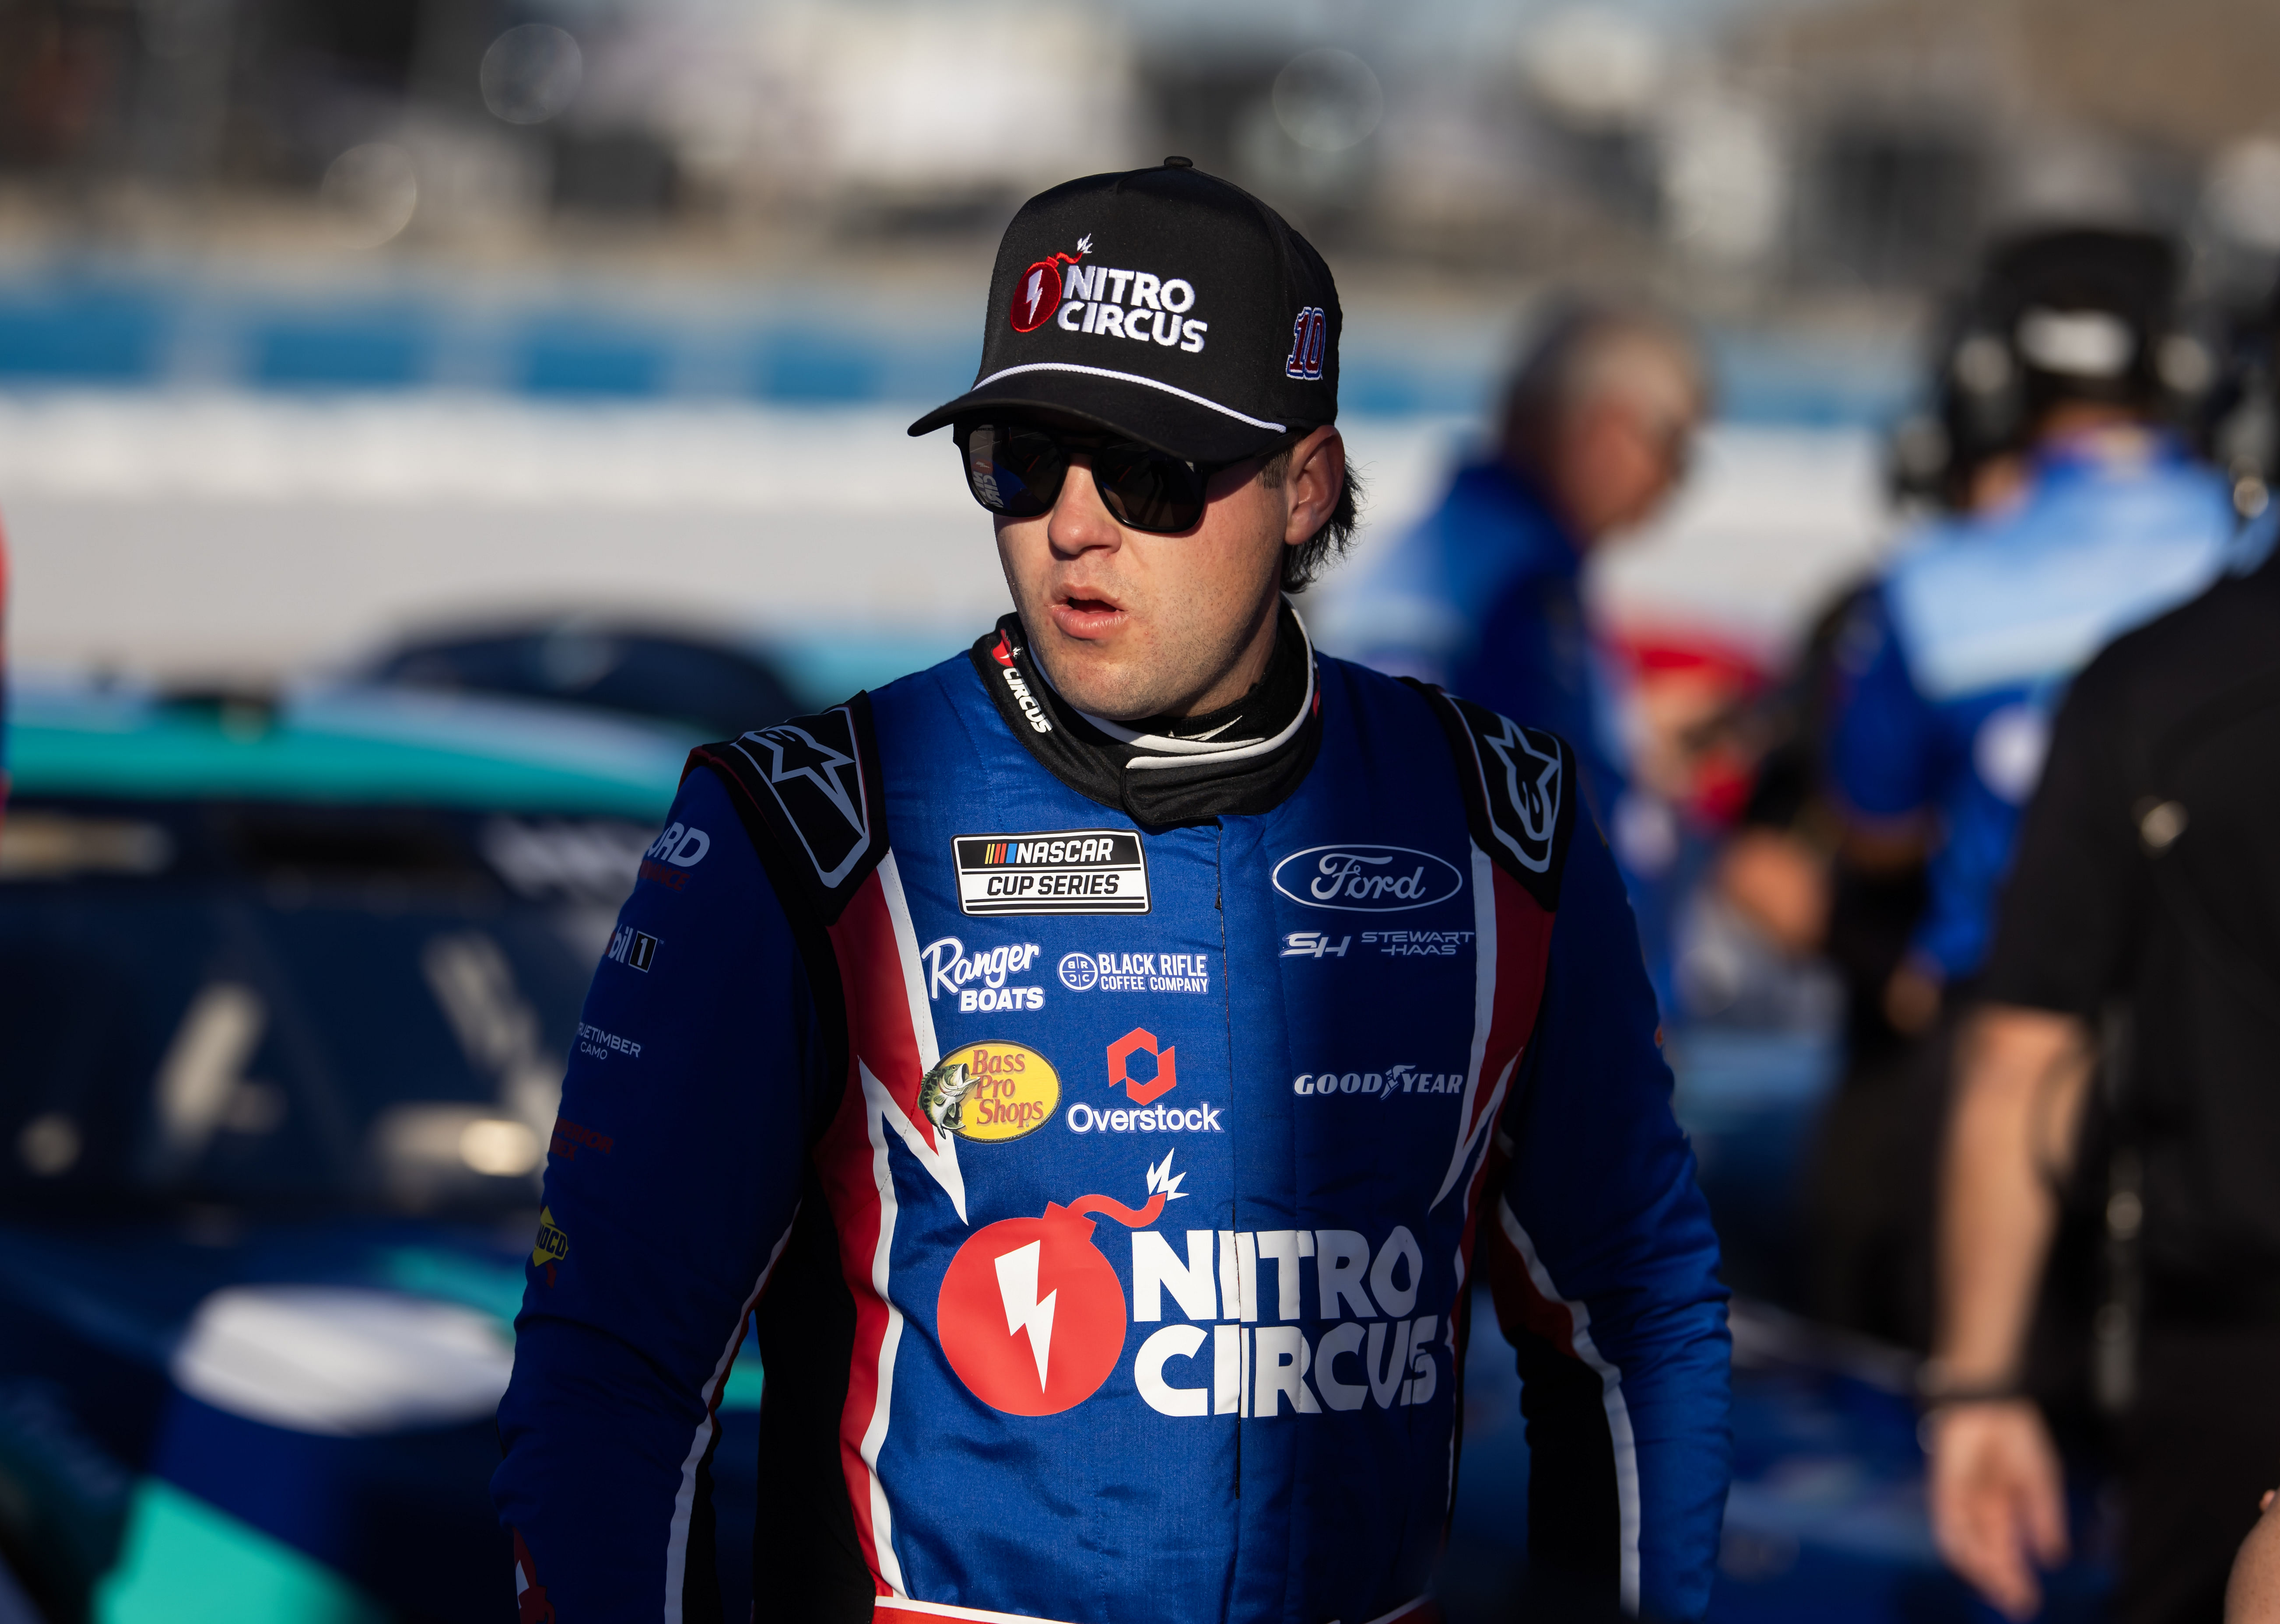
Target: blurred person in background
1785 868
1484 597
1949 667
2135 976
916 1169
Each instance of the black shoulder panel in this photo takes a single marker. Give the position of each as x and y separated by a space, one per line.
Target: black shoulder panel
809 791
1520 790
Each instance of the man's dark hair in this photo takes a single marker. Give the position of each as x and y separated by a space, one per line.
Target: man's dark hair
1304 564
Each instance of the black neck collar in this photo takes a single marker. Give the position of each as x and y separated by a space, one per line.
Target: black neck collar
1238 761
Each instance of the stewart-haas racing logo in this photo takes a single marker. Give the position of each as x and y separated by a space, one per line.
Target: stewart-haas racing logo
1263 1323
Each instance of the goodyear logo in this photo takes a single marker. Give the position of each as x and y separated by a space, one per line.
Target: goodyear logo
991 1091
553 1245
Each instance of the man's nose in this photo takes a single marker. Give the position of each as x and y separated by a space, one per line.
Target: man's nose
1080 521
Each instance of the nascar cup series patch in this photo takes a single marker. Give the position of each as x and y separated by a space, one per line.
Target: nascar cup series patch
1055 871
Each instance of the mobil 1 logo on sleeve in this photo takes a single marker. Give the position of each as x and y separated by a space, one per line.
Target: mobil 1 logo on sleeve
1057 871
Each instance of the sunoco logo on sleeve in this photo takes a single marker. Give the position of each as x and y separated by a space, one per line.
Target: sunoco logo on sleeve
1055 870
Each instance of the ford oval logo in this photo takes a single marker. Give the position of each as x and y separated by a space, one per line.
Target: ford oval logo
1367 879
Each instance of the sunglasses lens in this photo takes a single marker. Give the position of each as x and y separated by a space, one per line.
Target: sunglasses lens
1016 471
1148 490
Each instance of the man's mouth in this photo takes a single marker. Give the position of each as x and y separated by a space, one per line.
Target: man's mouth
1086 614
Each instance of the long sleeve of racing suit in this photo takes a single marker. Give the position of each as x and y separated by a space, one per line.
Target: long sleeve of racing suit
1603 1262
686 1116
692 1096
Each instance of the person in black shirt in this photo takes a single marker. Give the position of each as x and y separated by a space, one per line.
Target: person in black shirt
2147 881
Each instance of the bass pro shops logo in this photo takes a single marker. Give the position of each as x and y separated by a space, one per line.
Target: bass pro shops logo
1031 1314
991 1092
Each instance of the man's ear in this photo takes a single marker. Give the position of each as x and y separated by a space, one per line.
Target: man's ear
1317 474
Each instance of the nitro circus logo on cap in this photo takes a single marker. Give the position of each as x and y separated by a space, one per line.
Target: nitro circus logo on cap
1031 1314
1110 302
1367 879
1039 293
991 1092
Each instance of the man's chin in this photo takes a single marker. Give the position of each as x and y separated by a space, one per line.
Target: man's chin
1095 682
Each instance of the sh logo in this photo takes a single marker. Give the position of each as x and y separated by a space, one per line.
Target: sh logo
1314 944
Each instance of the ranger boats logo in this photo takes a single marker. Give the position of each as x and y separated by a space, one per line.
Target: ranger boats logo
1055 870
1367 879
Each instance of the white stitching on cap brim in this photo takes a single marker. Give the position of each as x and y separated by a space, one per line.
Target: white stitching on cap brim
1103 371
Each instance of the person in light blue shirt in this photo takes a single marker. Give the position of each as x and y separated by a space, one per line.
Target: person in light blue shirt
1483 596
1953 666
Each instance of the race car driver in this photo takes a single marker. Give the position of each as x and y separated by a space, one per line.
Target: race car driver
1099 1061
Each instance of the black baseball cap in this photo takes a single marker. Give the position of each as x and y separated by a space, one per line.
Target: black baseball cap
1161 304
2083 308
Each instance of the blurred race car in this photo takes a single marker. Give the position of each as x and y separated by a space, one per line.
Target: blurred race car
287 991
680 674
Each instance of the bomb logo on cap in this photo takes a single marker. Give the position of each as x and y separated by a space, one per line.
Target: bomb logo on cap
1039 292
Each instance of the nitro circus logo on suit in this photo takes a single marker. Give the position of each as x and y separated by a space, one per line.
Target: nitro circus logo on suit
1031 710
1031 1314
991 1092
1367 879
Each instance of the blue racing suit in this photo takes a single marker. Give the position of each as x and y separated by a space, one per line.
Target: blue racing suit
1105 1190
1952 667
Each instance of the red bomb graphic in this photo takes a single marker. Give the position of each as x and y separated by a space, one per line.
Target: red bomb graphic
1039 293
1031 1315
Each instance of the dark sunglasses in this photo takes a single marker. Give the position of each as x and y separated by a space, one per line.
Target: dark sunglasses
1017 468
